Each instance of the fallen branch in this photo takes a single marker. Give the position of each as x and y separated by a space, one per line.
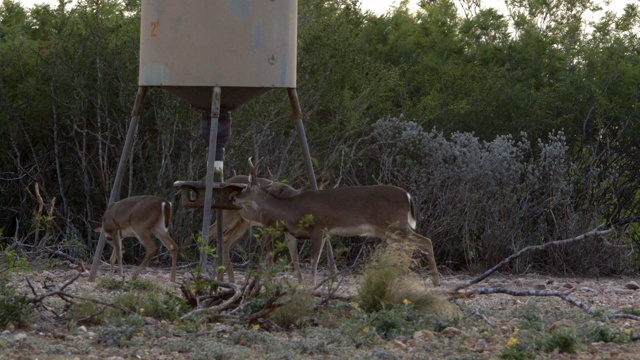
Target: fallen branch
504 262
268 307
38 299
624 316
563 296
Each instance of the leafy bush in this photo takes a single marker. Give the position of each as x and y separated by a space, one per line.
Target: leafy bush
481 201
166 306
299 307
563 339
603 333
13 307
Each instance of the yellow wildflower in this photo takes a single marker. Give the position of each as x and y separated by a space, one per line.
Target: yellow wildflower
141 309
406 301
513 342
256 326
627 331
366 329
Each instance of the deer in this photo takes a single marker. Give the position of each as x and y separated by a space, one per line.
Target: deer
139 216
237 222
384 211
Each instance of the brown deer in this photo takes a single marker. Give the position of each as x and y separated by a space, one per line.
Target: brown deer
383 211
237 222
139 216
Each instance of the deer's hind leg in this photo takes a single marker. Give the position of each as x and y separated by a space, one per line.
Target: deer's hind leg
425 245
150 250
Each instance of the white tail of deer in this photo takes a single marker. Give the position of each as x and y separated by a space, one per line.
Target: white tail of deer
237 222
383 211
139 216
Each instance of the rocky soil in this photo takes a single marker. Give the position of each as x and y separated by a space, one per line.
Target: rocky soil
483 330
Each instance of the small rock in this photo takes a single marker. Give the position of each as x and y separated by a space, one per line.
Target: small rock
150 321
82 329
587 289
115 358
550 282
540 287
90 334
58 335
413 343
481 345
10 327
398 344
20 336
519 283
632 285
567 286
621 291
451 332
423 335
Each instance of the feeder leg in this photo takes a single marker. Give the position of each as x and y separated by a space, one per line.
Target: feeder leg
208 200
297 114
117 183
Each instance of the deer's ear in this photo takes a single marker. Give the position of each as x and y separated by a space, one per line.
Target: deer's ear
96 226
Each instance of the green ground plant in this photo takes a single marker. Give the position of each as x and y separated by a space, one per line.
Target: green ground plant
14 307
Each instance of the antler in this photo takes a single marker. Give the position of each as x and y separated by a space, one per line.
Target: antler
252 172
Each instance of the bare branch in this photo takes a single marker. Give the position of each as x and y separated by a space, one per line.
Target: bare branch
563 296
504 262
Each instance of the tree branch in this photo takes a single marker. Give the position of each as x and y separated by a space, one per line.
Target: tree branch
504 262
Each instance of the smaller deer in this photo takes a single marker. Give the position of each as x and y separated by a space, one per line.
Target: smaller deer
237 222
384 211
139 216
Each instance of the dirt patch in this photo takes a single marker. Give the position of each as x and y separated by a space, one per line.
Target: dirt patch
488 326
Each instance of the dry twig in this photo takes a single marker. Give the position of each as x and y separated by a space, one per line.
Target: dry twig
504 262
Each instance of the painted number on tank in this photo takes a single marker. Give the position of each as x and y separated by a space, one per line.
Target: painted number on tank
154 27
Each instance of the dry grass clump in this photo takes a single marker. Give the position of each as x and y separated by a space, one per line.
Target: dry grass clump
299 307
388 281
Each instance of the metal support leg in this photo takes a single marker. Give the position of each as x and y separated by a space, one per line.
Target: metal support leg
297 114
117 183
208 197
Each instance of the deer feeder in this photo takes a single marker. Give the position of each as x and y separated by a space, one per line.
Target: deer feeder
216 55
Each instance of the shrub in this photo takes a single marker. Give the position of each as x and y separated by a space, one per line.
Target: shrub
166 306
299 307
563 339
13 307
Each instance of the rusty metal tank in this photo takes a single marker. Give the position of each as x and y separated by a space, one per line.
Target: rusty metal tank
246 47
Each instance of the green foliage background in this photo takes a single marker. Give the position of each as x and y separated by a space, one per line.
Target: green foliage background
464 77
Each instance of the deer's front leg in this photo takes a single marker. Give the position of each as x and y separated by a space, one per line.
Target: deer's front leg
116 243
292 245
317 243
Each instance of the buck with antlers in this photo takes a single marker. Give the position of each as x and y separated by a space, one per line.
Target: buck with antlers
237 222
383 211
139 216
